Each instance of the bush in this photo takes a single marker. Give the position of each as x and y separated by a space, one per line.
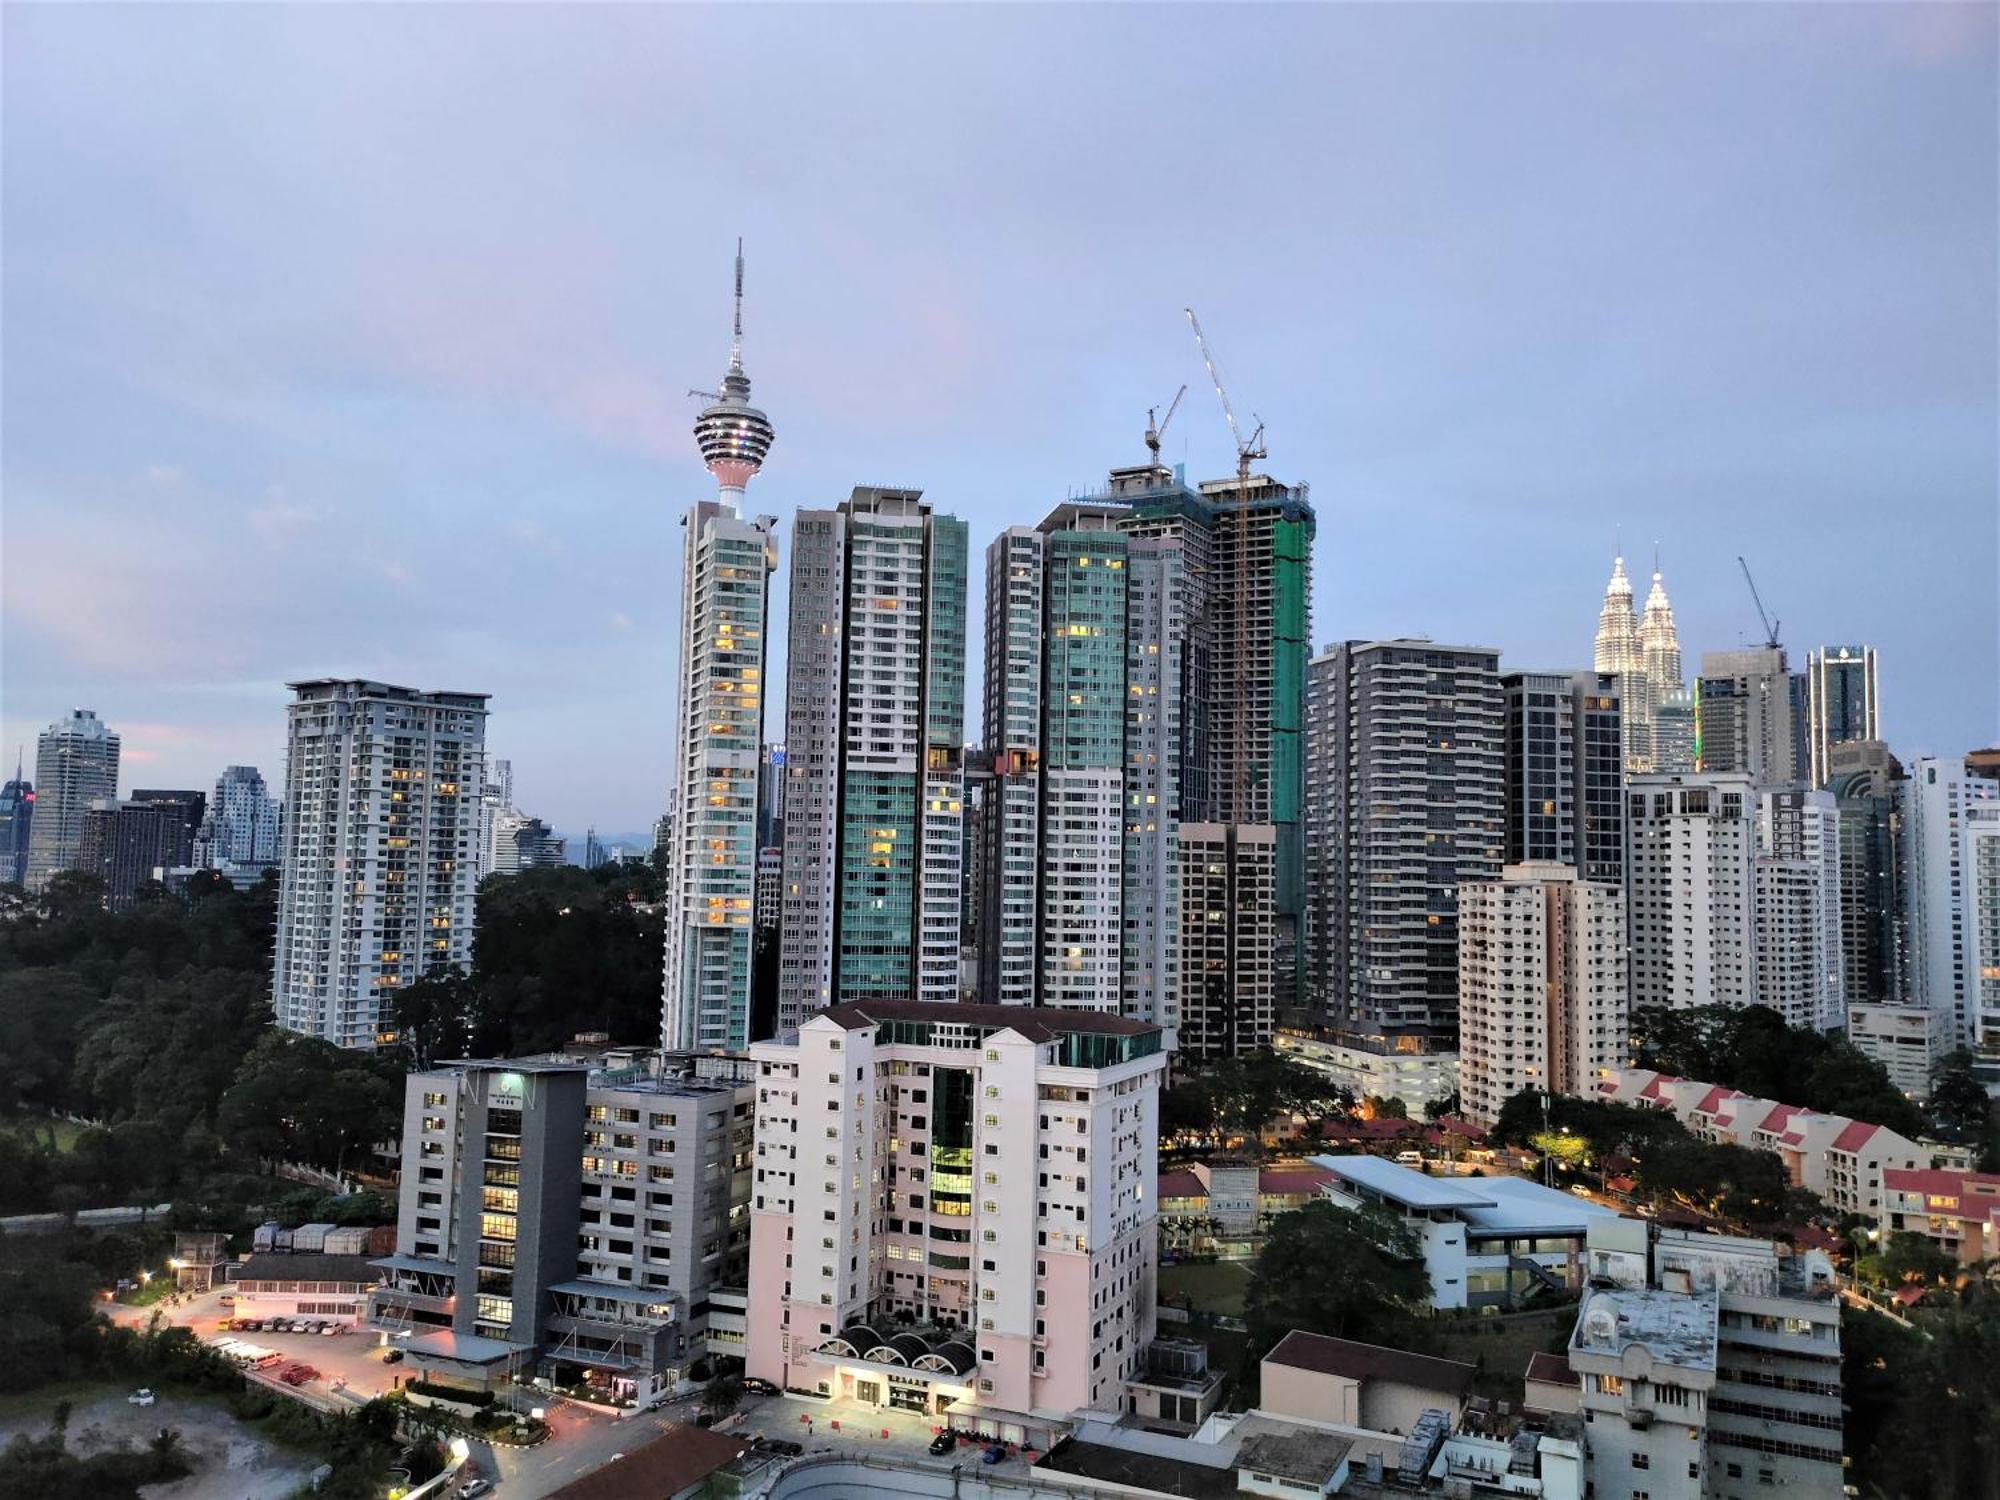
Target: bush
449 1393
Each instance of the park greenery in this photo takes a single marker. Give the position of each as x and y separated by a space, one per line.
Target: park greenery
1923 1402
153 1028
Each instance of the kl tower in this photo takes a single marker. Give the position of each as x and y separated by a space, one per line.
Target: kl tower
711 875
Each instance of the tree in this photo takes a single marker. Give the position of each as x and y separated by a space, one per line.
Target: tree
436 1016
1348 1273
722 1395
1438 1109
1906 1257
299 1098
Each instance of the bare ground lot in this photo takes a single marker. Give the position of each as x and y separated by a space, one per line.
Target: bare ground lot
229 1462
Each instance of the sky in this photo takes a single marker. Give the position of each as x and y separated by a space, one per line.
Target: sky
354 340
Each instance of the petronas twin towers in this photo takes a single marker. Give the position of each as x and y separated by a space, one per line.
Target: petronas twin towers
1645 652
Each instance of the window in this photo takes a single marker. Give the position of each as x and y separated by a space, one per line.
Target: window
1642 1460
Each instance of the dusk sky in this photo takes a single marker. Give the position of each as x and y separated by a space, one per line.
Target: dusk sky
353 340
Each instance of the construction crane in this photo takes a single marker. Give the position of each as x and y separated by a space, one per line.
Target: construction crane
1247 451
1156 431
1770 625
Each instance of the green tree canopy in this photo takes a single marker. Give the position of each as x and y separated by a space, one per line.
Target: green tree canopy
1348 1273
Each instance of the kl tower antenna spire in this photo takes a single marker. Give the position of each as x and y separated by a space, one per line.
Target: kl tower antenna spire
733 435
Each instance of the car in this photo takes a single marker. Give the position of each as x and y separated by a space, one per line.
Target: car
250 1325
993 1455
393 1357
1410 1158
1580 1190
228 1299
784 1446
944 1442
756 1385
477 1487
330 1330
704 1419
141 1397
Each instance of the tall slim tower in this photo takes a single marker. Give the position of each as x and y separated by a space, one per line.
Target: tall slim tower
1620 651
76 764
874 755
711 878
17 821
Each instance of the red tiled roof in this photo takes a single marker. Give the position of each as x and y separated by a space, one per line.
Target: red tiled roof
1712 1100
1779 1117
1656 1088
1292 1179
1459 1125
1621 1184
1855 1136
1552 1369
679 1460
1181 1183
1315 1351
1909 1296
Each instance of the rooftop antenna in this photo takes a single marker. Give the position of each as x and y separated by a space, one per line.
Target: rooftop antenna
736 342
1155 432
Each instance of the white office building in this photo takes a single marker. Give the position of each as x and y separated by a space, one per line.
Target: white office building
380 858
1796 922
1541 985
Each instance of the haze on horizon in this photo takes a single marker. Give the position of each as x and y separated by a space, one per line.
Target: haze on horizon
353 341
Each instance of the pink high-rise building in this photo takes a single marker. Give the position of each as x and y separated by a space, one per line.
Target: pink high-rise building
952 1208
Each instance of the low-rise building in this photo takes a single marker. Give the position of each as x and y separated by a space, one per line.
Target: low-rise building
1907 1040
333 1287
1321 1379
1413 1067
1959 1212
1840 1159
1485 1241
570 1215
1224 1208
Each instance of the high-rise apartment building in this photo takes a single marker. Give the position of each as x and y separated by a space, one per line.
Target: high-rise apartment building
380 856
1863 786
1406 772
1936 804
127 844
1082 709
1674 733
1734 896
953 1207
189 810
1645 656
17 821
1228 948
76 764
1796 921
1841 704
874 751
1692 845
1750 715
1565 765
711 876
570 1216
1246 554
1542 998
1982 937
242 821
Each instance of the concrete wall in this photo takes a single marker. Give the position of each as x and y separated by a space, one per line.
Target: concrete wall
1310 1396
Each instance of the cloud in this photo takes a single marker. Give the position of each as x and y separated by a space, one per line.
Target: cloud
279 522
620 621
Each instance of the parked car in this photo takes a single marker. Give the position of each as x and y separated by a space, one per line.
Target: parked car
141 1397
704 1419
250 1325
784 1446
393 1357
475 1488
944 1442
756 1385
228 1299
329 1330
993 1455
